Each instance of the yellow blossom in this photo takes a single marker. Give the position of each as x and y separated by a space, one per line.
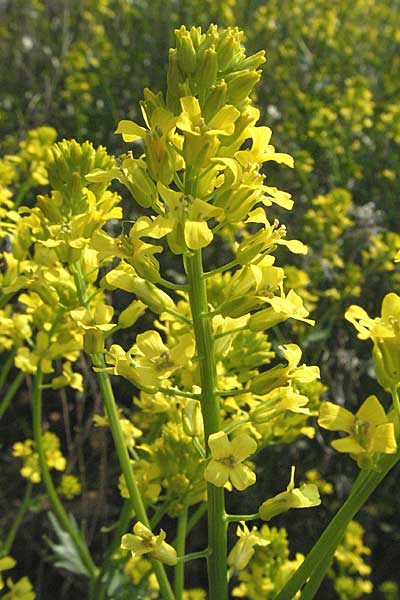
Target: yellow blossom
370 431
143 541
227 458
305 496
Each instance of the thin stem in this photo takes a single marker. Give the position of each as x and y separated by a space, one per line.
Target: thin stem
6 368
125 516
12 390
178 315
396 401
126 466
217 527
119 441
194 556
180 545
223 393
176 392
18 519
227 267
235 425
170 285
4 299
365 484
196 516
48 482
229 332
199 447
237 518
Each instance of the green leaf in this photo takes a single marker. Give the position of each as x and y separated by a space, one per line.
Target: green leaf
65 554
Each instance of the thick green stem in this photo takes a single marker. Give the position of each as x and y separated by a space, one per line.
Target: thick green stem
317 558
217 526
180 545
126 466
48 482
18 519
12 390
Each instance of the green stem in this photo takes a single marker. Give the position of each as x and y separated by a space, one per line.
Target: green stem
98 591
126 466
365 484
180 550
170 285
229 332
119 441
217 526
48 482
176 392
194 556
12 390
6 368
196 516
5 298
227 267
312 586
396 401
237 518
178 315
18 519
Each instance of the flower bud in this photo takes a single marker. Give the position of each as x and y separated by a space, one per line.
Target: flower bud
131 314
140 183
93 341
240 86
192 418
216 99
186 54
206 72
386 355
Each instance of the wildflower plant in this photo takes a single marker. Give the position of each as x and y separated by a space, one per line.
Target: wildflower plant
209 390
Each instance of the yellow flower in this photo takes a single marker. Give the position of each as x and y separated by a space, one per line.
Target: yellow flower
280 375
69 486
6 563
369 430
154 361
385 334
282 308
243 550
143 540
305 496
21 590
226 460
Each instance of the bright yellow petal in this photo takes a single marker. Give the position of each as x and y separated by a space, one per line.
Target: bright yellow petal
242 446
335 418
130 131
219 445
349 445
216 473
197 234
372 411
383 439
242 477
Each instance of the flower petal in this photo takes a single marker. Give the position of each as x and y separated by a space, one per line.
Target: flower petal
242 477
242 446
372 411
335 418
219 445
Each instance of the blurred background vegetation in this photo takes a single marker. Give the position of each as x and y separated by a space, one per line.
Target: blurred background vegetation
331 94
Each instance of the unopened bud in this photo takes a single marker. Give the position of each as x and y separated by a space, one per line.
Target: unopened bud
192 418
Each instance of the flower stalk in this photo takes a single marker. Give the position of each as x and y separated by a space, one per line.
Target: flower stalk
217 525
